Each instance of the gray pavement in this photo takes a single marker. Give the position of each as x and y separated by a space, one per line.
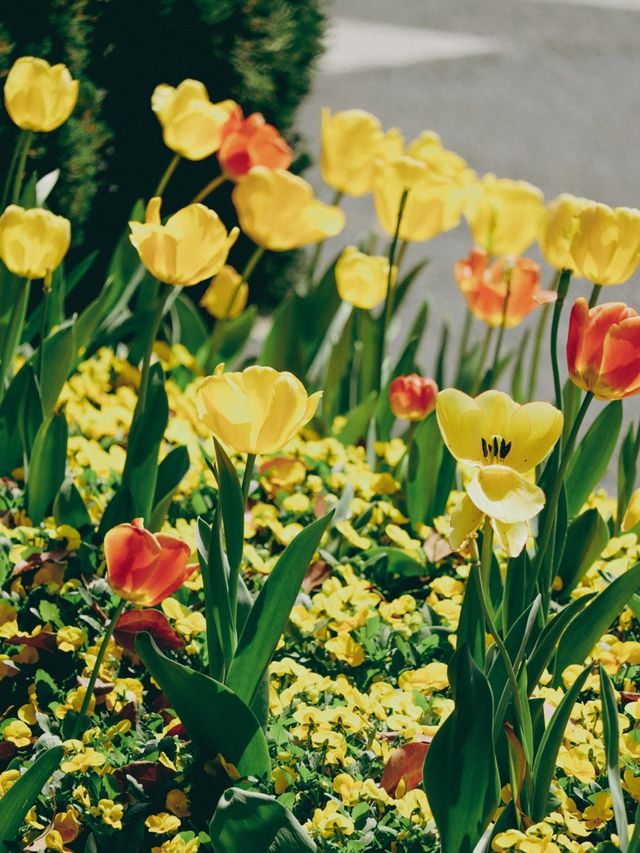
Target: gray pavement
543 90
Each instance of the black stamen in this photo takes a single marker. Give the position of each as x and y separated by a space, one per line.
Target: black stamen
504 449
495 445
485 449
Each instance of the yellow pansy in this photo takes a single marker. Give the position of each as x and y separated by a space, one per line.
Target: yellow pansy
346 649
70 638
162 823
177 803
501 441
17 733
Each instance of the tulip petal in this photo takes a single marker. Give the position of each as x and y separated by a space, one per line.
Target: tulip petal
505 494
534 429
128 549
620 368
459 421
511 537
465 519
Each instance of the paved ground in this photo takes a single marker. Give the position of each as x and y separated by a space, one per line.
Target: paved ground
545 90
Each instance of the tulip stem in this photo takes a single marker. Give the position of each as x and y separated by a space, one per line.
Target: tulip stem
537 346
23 143
161 299
595 294
210 187
252 263
503 326
17 148
315 257
43 333
477 382
464 339
13 334
164 180
385 317
86 701
484 570
248 471
563 288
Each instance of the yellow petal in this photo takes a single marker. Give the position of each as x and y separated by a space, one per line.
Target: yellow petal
632 515
465 519
459 419
511 537
534 429
505 494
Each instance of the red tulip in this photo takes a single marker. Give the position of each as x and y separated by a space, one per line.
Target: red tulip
603 349
249 142
412 397
143 567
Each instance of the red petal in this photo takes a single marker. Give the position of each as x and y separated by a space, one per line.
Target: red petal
153 621
404 763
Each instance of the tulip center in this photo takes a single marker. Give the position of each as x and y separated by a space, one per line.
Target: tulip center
495 448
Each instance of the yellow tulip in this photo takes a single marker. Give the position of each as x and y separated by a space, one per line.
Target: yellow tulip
33 242
434 204
191 124
632 513
279 211
192 246
605 247
557 229
504 215
351 142
39 96
502 442
362 279
256 411
226 296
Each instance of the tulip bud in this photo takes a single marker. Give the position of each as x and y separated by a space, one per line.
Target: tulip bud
279 211
226 296
33 242
605 247
142 567
503 215
603 349
362 279
412 397
256 411
191 246
249 142
39 96
191 124
559 224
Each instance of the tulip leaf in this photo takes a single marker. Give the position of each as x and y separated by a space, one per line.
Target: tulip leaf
345 354
471 628
231 504
544 765
586 629
516 589
634 843
58 355
547 643
29 413
627 471
246 820
404 285
86 326
270 613
591 457
611 737
215 573
11 452
445 482
218 721
398 562
425 456
191 331
460 770
24 792
47 466
587 536
357 422
69 508
236 334
171 471
517 391
442 356
282 347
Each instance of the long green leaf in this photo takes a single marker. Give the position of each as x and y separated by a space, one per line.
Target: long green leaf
586 629
460 770
218 721
246 820
171 470
47 466
69 508
58 354
544 765
547 643
270 613
591 459
231 505
356 424
611 736
15 804
587 536
214 570
422 474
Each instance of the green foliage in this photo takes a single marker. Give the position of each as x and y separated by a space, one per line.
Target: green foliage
23 794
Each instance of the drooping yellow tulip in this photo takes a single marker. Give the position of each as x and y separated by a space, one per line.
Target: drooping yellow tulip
258 410
605 247
435 201
504 215
502 442
351 142
362 279
558 226
39 96
226 297
279 211
191 246
191 124
33 242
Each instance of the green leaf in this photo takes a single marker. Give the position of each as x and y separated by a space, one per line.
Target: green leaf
282 347
30 413
634 843
425 457
236 334
403 286
25 791
398 562
587 628
215 572
516 590
47 466
11 446
58 355
592 455
69 508
191 329
471 628
460 770
218 721
627 470
246 820
544 765
547 642
357 422
441 358
270 613
171 470
339 364
611 737
587 536
231 505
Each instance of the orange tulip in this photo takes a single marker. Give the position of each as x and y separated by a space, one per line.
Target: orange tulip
603 349
143 567
249 142
412 397
485 288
